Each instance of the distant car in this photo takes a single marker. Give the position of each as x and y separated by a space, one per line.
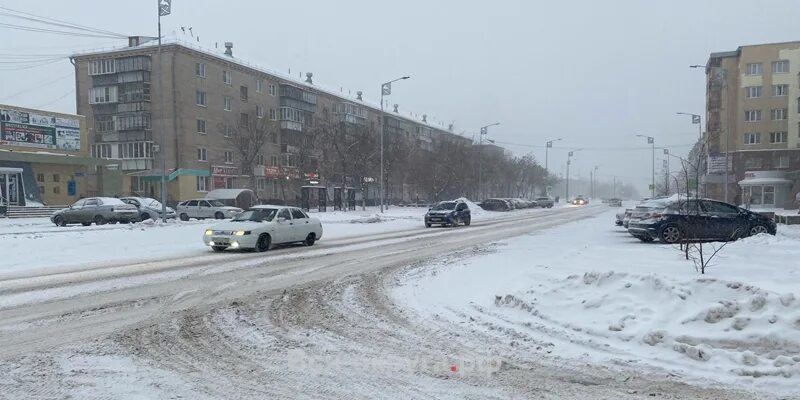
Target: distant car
448 213
97 210
619 219
261 227
579 201
148 207
614 202
496 205
699 219
545 202
205 208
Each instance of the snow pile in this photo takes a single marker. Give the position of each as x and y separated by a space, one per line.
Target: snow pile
738 328
474 209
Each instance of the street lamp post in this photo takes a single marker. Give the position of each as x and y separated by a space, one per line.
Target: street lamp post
652 141
484 131
386 90
666 166
569 161
546 170
592 178
164 9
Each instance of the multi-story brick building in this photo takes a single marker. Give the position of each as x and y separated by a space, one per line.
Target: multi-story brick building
753 115
206 98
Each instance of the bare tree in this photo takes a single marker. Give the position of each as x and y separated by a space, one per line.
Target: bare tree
247 136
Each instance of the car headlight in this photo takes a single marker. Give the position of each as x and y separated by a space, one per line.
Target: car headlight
209 232
240 233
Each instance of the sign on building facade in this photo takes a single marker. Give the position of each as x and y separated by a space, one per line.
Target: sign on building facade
24 129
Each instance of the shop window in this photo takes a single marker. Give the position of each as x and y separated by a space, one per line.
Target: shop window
769 195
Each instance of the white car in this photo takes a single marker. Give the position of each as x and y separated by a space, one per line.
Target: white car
205 208
263 226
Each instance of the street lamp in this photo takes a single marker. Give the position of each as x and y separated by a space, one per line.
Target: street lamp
569 161
546 171
652 141
386 90
484 131
666 166
592 178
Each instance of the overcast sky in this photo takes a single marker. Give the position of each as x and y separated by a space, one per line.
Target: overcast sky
594 73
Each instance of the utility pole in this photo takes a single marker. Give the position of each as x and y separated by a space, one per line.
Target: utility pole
569 161
484 131
652 141
386 90
614 189
164 8
546 169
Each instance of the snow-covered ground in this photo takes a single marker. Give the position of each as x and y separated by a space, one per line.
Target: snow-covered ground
37 244
587 292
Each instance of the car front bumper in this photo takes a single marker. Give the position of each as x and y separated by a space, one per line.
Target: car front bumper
439 219
231 241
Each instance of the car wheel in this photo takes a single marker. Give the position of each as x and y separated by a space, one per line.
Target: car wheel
310 239
184 217
758 229
263 242
218 249
59 221
145 216
467 221
219 215
99 220
86 223
113 222
670 234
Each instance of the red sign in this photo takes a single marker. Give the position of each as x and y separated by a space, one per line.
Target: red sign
220 182
272 172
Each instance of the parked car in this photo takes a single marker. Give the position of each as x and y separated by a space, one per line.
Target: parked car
545 202
205 208
100 210
496 205
614 202
261 227
619 219
518 203
699 220
148 207
448 213
579 201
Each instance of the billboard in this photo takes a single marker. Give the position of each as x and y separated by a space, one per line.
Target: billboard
20 128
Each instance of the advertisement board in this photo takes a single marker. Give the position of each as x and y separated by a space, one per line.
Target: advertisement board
19 128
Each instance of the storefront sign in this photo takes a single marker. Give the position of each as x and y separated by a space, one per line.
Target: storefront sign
272 172
18 128
219 170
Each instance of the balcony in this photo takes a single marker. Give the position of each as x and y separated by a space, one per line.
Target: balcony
292 126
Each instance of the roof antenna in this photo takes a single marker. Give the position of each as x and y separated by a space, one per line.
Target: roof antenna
190 31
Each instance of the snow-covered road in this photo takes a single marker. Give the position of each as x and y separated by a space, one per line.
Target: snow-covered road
408 313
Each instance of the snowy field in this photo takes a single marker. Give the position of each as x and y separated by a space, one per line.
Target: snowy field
589 292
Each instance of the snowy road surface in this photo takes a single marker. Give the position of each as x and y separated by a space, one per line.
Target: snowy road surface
366 317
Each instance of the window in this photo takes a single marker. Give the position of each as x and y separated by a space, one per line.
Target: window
227 130
259 159
101 67
226 103
259 85
780 90
261 184
783 162
56 189
193 203
272 90
778 137
260 111
137 121
244 120
273 161
39 177
297 214
752 115
752 92
201 98
56 178
780 67
200 69
102 95
284 213
202 154
769 195
103 123
243 93
778 114
228 157
101 151
201 126
273 115
202 186
41 189
752 138
718 207
134 150
752 163
226 77
753 69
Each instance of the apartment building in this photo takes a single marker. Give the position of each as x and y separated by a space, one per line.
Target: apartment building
753 116
199 100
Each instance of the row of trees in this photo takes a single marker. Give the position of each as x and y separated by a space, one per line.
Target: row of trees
415 168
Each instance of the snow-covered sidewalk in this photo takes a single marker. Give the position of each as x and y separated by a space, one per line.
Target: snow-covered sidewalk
588 292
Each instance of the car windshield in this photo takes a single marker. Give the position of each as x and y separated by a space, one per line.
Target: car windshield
216 203
448 205
257 215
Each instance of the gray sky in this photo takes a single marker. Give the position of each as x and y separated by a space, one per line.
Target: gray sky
592 72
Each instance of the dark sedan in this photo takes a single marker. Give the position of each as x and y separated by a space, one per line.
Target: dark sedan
699 220
448 213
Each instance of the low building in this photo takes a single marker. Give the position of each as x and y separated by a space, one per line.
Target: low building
44 159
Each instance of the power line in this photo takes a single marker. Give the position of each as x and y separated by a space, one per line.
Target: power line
595 148
11 96
54 31
71 91
60 23
32 65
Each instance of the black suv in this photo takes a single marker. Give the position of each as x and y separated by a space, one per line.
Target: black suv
448 213
699 220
